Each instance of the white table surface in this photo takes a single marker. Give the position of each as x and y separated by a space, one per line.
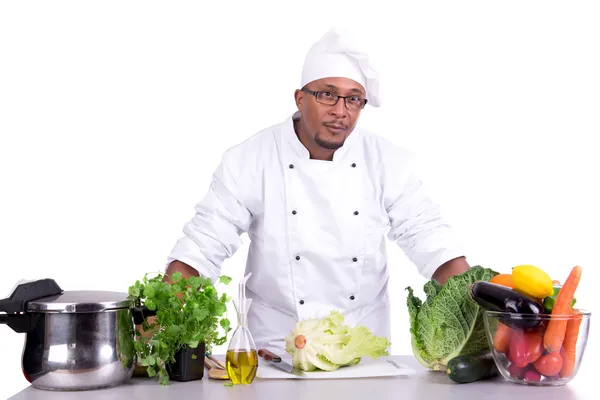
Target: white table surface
422 385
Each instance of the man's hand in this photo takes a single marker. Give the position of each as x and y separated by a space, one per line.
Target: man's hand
453 267
175 266
178 266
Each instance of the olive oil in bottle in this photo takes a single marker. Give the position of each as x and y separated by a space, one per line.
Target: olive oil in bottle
242 357
242 365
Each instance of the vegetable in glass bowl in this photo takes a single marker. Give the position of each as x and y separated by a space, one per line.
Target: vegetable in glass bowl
530 345
521 354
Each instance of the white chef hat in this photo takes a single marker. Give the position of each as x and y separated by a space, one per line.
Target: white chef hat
336 55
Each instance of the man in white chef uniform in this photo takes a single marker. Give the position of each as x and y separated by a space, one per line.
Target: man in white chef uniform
317 195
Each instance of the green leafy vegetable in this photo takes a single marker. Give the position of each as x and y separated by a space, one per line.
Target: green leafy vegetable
225 279
449 323
551 300
188 312
327 344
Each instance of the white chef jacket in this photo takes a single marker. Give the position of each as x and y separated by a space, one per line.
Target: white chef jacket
317 228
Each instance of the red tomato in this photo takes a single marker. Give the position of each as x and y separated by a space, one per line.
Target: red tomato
549 364
525 347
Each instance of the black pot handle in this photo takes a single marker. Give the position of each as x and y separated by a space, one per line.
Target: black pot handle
25 292
141 313
20 323
15 306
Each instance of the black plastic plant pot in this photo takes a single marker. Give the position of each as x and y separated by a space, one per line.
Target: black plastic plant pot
187 367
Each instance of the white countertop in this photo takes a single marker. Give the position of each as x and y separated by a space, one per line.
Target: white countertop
422 385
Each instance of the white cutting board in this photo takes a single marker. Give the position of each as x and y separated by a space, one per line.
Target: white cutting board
367 368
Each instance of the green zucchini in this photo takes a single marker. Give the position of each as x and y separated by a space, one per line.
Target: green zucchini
550 300
473 367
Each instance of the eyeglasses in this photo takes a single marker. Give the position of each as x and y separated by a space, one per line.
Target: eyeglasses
352 102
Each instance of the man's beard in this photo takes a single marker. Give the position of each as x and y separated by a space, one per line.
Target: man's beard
329 145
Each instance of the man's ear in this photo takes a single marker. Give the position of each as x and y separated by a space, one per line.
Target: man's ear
299 97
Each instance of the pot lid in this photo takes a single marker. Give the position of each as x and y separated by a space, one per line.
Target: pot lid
80 301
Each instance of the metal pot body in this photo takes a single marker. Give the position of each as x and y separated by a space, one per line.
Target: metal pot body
79 351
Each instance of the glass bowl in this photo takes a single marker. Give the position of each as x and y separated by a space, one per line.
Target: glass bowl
524 351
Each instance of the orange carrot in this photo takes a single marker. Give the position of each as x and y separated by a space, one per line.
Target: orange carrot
502 338
504 280
555 332
570 344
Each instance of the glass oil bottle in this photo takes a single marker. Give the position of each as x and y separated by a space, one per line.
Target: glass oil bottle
242 357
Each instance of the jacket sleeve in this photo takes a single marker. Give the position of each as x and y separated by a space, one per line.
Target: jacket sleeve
416 221
213 234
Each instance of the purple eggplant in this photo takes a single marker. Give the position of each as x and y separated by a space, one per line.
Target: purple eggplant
524 311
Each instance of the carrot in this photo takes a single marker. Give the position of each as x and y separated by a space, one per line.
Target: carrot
570 344
504 280
502 338
555 332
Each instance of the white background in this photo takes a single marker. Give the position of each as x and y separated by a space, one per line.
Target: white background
113 116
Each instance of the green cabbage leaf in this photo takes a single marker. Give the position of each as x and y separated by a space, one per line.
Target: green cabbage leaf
449 322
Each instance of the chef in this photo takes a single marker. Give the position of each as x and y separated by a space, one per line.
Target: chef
318 197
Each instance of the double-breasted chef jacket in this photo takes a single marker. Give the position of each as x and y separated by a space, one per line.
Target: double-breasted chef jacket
317 228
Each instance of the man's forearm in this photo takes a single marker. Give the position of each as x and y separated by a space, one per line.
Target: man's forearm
178 266
450 268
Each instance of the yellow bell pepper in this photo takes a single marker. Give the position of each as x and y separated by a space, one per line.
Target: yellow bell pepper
532 281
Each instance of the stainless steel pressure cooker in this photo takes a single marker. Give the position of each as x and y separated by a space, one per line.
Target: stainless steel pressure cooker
75 340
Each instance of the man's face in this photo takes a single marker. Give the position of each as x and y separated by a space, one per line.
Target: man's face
326 125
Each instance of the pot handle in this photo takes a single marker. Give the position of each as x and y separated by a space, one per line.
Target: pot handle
15 306
141 313
20 323
25 292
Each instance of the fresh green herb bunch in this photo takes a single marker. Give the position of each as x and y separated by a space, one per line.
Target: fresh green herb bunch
188 312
